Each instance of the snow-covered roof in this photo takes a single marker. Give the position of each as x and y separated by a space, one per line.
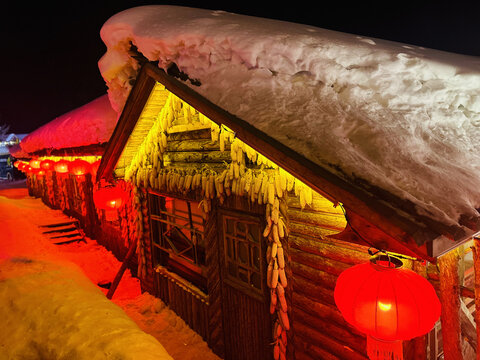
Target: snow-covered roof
92 123
397 117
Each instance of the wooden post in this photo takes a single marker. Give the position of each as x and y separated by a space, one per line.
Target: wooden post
420 342
118 277
476 265
450 300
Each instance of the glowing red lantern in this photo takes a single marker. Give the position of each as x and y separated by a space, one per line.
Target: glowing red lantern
61 166
40 172
109 198
388 303
17 163
79 167
47 165
29 170
34 163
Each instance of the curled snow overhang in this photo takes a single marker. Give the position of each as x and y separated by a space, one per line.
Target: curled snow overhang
82 131
393 124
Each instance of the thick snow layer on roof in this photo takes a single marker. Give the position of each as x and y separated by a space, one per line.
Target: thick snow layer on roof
92 123
403 118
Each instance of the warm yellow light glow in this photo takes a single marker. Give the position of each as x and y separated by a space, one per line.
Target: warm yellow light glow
384 307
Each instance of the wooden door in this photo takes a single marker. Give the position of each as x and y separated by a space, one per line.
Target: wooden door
246 317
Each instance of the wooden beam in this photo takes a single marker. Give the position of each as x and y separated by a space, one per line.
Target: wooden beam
467 325
125 125
450 300
476 265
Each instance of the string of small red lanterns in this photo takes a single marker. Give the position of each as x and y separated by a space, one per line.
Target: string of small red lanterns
40 167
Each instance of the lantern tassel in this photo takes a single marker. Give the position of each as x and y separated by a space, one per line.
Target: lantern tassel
384 350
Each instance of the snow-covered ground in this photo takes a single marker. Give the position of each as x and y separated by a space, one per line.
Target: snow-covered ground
51 307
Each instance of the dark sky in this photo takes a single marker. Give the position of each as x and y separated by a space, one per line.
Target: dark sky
50 51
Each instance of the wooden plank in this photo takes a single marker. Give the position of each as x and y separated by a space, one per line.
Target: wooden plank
450 300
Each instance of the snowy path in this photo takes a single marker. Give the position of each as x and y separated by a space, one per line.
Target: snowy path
50 309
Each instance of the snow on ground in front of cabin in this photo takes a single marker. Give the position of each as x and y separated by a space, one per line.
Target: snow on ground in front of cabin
402 117
51 307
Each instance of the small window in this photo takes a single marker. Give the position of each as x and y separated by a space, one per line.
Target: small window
178 237
242 246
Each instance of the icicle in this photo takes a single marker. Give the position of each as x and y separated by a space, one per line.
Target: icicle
384 350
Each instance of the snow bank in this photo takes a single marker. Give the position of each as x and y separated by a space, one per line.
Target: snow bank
155 318
403 118
50 310
92 123
22 241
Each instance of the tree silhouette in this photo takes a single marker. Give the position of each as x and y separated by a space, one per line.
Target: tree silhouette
4 131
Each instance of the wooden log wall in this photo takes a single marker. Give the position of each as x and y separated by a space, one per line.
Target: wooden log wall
318 329
57 192
189 305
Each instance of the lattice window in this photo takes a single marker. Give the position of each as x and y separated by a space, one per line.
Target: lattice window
242 245
178 237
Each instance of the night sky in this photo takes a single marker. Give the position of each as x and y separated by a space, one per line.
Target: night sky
50 51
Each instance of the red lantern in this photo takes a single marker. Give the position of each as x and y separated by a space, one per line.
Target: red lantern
79 167
29 170
40 172
21 166
110 198
34 163
47 165
388 303
61 166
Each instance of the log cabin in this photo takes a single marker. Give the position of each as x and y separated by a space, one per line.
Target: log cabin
242 231
78 135
204 199
210 172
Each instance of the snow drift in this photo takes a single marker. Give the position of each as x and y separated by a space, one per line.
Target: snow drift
50 310
402 118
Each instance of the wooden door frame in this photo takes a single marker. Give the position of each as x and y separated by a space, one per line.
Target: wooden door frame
219 212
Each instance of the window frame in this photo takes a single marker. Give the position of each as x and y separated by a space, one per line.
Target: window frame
193 271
